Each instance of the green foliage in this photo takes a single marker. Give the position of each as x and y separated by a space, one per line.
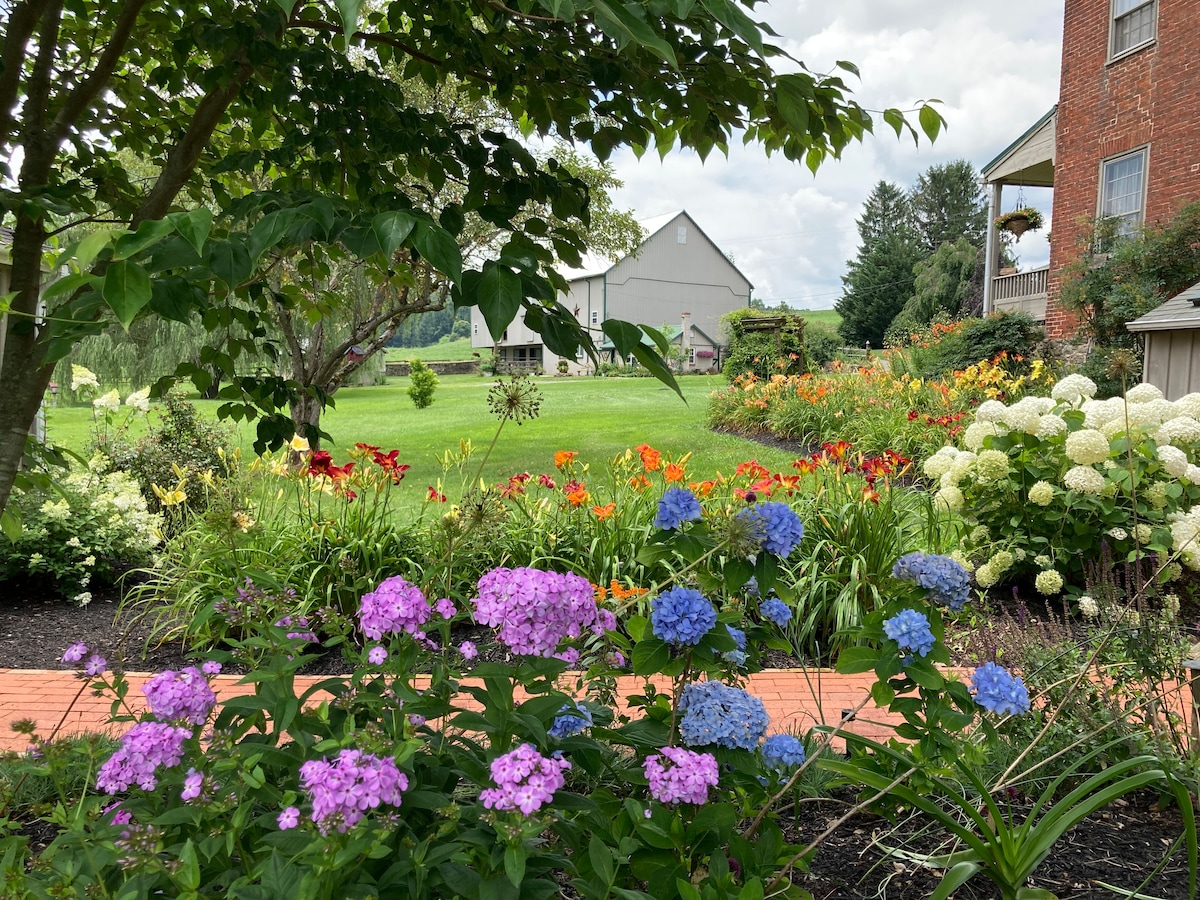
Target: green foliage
947 284
178 440
422 383
954 349
763 353
949 205
80 529
821 344
1115 281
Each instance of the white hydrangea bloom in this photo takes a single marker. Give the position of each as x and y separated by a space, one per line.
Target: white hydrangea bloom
1042 493
976 432
1142 533
1185 537
1084 480
1113 427
1143 393
82 377
992 465
1088 607
1042 561
57 511
1174 461
1001 561
1117 534
1019 554
139 400
949 498
1157 492
1171 571
1098 412
1087 447
1050 425
83 598
1180 430
990 411
109 402
961 558
1048 582
963 464
1023 417
979 534
949 478
1074 389
1165 410
986 576
939 464
1189 405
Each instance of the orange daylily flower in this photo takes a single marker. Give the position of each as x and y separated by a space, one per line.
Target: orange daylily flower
605 511
639 482
673 472
752 469
651 458
564 458
578 497
702 488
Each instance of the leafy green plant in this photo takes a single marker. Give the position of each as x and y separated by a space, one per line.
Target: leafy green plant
778 351
422 383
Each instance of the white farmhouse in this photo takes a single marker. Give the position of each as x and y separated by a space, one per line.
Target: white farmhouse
677 278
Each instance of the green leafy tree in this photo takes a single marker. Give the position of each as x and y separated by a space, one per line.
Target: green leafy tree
313 100
948 283
423 381
948 203
879 280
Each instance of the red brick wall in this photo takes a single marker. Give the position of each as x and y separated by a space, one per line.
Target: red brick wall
1149 97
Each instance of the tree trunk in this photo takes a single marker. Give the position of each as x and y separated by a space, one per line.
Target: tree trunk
306 413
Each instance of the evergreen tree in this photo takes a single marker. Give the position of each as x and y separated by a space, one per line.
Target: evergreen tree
880 279
948 203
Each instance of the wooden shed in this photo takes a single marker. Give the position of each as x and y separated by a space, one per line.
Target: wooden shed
1172 359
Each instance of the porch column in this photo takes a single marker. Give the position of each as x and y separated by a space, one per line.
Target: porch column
991 254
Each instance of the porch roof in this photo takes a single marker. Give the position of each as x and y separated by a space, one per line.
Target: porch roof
1029 160
1180 313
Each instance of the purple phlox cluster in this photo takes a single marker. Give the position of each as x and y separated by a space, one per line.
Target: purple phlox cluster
76 652
253 604
120 816
606 620
775 611
446 608
145 747
777 528
946 582
212 667
468 649
393 607
616 659
682 616
343 789
376 655
416 721
677 775
196 785
571 720
534 610
297 623
95 665
525 780
678 505
910 629
999 691
570 656
715 713
738 655
289 818
182 695
782 752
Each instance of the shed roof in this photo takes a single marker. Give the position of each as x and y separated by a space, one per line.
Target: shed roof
1029 160
671 332
1180 313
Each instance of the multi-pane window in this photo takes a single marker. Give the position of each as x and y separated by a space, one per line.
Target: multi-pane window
1122 191
595 317
1132 24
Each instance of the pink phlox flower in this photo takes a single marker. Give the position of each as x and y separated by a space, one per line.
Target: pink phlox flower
393 607
182 695
76 652
343 789
145 747
535 610
677 775
95 665
468 649
446 608
525 780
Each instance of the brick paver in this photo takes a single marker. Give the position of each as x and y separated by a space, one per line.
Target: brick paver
795 700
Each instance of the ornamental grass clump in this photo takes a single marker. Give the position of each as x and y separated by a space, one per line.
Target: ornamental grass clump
1042 483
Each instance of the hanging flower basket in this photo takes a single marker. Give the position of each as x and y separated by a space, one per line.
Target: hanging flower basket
1017 222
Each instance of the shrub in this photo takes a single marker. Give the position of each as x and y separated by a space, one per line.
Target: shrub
763 353
821 344
422 383
945 347
80 530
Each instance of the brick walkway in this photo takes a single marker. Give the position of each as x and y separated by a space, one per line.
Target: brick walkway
795 701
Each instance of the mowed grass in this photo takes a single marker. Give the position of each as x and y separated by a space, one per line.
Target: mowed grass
453 350
828 317
598 417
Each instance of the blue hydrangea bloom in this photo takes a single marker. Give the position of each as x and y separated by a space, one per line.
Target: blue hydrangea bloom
998 690
682 616
678 505
715 713
782 752
910 629
751 587
777 527
738 657
573 721
946 582
775 610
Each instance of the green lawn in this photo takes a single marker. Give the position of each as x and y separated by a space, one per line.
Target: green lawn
460 349
828 317
599 417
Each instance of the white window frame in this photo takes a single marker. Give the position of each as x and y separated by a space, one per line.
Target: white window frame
1102 213
1114 17
691 356
595 317
474 328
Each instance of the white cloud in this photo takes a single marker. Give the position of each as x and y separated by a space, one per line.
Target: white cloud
791 233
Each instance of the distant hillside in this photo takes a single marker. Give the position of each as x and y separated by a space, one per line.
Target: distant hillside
459 349
824 316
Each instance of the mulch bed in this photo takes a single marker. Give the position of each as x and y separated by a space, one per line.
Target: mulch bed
1119 845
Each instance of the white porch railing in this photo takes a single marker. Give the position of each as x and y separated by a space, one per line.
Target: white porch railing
1021 291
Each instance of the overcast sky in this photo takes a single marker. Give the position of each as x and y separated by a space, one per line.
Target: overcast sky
994 66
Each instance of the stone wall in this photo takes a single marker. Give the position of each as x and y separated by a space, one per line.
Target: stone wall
440 367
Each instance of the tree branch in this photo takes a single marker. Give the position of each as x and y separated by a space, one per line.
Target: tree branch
78 100
371 38
21 22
